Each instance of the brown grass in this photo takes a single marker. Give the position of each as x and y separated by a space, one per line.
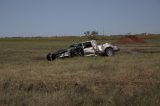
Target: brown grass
128 78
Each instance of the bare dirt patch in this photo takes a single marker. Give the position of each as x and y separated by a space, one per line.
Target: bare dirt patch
130 40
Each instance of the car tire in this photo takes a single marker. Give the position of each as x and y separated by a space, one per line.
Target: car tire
51 57
109 52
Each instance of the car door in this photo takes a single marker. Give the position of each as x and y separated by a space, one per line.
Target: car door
88 48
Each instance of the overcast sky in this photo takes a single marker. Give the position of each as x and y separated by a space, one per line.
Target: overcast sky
73 17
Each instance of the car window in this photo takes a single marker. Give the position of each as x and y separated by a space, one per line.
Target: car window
87 44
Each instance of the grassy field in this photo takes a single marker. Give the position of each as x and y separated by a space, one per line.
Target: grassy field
130 78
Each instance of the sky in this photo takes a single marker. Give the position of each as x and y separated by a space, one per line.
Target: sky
74 17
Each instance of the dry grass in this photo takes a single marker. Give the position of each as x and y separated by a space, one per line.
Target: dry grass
26 78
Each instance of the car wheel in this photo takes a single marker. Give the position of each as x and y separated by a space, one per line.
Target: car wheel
49 57
109 52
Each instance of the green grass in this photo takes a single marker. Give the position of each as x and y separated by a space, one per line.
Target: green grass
27 78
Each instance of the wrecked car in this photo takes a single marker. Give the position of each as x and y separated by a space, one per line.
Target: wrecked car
87 48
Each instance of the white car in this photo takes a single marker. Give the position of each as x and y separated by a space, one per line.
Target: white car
87 48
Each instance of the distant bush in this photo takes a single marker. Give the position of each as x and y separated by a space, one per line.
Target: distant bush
91 34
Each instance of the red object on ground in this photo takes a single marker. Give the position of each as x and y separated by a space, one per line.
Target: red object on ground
130 40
